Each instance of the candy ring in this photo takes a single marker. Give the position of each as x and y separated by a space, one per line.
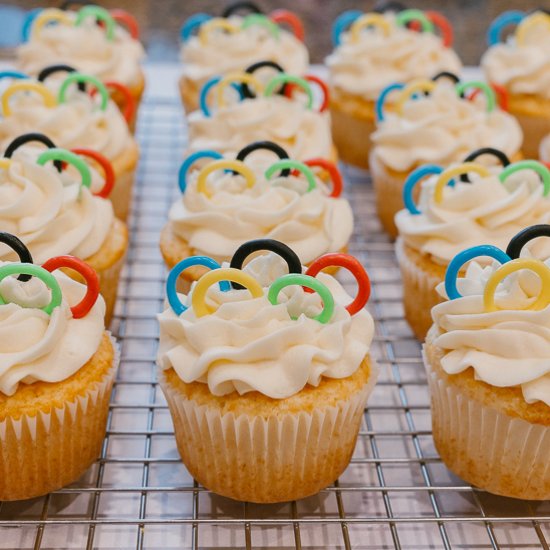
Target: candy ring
235 77
512 266
80 77
353 265
129 21
100 14
225 274
129 102
234 165
412 88
258 19
321 83
497 153
342 22
286 17
310 282
526 24
193 23
461 87
517 242
279 79
207 87
444 26
46 277
18 75
48 16
18 246
70 4
267 146
369 20
28 22
71 158
245 90
448 174
88 274
332 169
279 248
5 163
299 166
446 74
188 162
537 167
178 269
214 24
513 17
237 6
379 107
406 16
26 86
414 177
28 138
457 263
108 171
500 92
385 6
52 69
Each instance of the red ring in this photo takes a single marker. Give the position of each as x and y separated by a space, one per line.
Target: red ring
332 169
500 91
441 22
130 107
290 87
108 171
122 16
92 281
290 19
353 265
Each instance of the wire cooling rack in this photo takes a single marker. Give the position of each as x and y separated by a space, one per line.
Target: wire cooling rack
396 493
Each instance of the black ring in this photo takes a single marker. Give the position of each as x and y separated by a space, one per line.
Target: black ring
383 6
246 91
66 4
20 249
268 146
500 155
51 69
32 136
524 236
446 74
237 6
281 249
540 8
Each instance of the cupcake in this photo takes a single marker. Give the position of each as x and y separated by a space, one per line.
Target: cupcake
57 366
269 409
488 209
544 150
297 120
227 202
73 119
217 46
55 213
488 362
372 51
440 128
522 67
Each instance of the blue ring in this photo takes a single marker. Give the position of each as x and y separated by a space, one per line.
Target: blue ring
343 21
379 107
178 269
186 164
13 74
512 17
194 22
27 24
414 177
465 256
207 87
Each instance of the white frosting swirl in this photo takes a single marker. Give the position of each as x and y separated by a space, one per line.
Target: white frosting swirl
52 214
35 346
442 128
250 345
364 68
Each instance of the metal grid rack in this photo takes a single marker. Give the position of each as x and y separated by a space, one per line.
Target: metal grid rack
396 493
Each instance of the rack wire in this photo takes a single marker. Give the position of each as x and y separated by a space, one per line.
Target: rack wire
396 493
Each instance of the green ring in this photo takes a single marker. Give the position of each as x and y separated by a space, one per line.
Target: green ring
309 282
283 78
289 163
75 78
538 167
98 13
262 20
35 271
461 87
406 16
71 158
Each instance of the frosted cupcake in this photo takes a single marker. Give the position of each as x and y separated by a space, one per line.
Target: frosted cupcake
371 52
440 128
216 46
490 207
270 409
57 366
521 65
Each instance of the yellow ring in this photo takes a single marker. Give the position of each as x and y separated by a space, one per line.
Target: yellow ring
528 23
198 300
410 89
47 16
214 24
368 20
5 163
26 85
450 173
536 266
235 165
247 78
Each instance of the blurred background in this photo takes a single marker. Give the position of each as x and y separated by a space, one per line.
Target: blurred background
160 20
